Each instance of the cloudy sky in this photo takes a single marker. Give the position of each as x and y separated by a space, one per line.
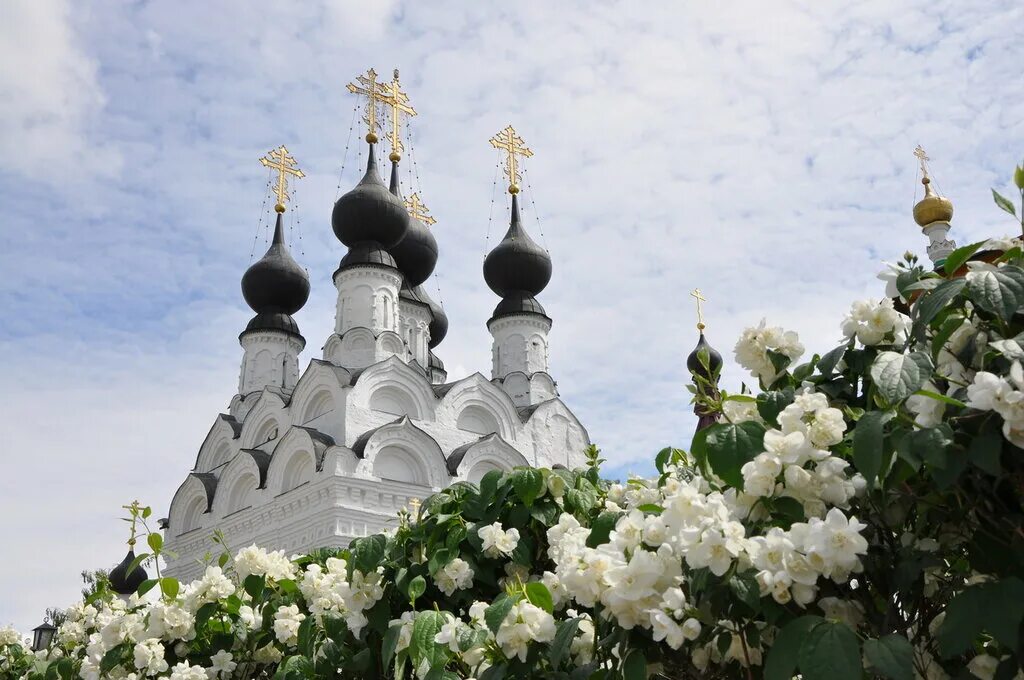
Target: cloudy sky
758 150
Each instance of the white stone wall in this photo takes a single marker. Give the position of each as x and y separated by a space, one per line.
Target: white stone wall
415 330
520 350
269 358
367 298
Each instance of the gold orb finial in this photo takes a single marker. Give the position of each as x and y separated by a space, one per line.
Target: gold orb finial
371 137
394 156
513 189
932 208
279 208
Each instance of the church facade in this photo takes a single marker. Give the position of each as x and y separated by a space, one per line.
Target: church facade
301 461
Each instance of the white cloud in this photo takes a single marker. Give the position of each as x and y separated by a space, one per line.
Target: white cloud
759 151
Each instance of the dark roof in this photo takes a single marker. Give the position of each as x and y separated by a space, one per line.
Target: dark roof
414 295
416 253
236 427
456 456
517 264
276 283
124 583
436 363
273 321
441 390
321 442
209 482
518 303
366 254
262 460
714 359
343 374
359 445
369 212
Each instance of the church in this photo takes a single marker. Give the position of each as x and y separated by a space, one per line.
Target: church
315 457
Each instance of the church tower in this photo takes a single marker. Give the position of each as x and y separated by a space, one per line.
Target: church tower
517 270
275 287
933 214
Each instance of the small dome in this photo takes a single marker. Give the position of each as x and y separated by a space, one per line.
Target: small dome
369 212
438 319
435 362
272 321
123 583
416 253
517 264
932 208
714 359
276 283
367 253
518 302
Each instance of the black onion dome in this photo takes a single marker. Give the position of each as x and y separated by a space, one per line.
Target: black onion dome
123 583
367 253
416 253
518 302
517 265
369 212
438 319
714 359
276 284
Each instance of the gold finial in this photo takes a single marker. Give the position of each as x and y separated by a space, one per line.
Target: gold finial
374 92
932 208
398 102
281 161
513 145
135 508
699 298
418 210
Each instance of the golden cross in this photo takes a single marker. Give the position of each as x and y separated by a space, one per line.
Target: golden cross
398 102
419 210
512 144
280 160
374 92
923 158
696 295
414 503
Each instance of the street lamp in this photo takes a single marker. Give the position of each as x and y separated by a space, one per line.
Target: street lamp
42 636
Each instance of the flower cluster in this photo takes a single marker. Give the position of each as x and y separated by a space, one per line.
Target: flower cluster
757 345
873 323
1005 396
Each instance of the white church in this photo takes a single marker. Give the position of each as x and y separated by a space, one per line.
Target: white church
315 458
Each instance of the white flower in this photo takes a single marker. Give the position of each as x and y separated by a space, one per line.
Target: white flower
889 275
741 411
760 474
456 575
927 410
873 322
268 653
149 656
752 349
847 611
524 625
183 671
691 629
496 541
256 560
983 666
286 624
222 664
663 627
713 551
449 633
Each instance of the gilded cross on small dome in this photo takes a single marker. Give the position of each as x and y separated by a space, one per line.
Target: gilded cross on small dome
284 164
418 209
509 141
398 102
699 298
375 94
922 157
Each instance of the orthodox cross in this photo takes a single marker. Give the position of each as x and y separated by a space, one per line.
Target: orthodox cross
513 145
418 210
923 159
282 162
414 504
699 298
375 94
398 102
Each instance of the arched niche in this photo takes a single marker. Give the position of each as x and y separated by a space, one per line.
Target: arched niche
193 498
267 417
396 400
478 418
220 444
481 468
400 451
472 461
298 470
392 386
490 405
399 464
241 493
193 514
558 436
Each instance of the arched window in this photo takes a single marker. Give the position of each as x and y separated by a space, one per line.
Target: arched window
298 471
242 492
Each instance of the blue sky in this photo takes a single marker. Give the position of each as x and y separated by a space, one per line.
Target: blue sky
760 151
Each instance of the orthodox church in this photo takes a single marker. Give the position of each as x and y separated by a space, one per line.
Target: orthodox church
315 458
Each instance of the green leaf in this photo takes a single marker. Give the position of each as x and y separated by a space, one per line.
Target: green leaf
1018 176
829 360
1003 202
601 529
253 585
783 655
169 587
986 449
146 586
891 656
114 657
438 560
945 332
746 590
367 553
307 636
565 633
387 651
868 441
897 376
422 645
999 292
497 612
155 541
539 596
635 666
139 559
731 446
993 607
956 259
830 652
770 404
528 484
417 587
662 459
933 302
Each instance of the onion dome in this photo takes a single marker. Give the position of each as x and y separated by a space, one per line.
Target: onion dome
416 253
517 266
438 319
370 212
932 208
693 361
436 363
275 287
121 581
